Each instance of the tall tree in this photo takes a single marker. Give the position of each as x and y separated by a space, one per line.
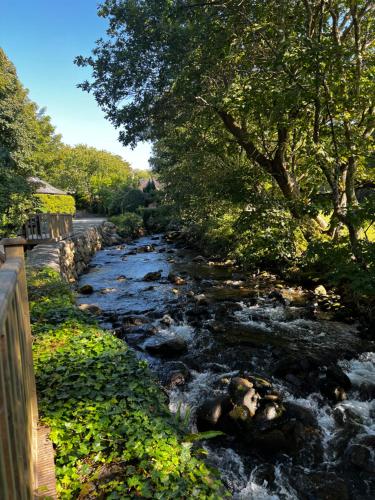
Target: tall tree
288 80
17 135
92 175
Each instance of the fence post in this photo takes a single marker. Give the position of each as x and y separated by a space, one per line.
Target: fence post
14 249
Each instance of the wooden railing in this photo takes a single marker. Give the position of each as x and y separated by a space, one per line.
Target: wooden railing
48 227
18 403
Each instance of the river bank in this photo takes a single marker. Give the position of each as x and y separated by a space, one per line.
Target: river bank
206 329
110 426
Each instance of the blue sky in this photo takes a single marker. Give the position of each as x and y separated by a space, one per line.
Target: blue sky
42 38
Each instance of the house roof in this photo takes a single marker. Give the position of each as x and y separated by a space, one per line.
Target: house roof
44 187
144 182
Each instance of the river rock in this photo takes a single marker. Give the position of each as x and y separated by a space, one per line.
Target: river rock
250 400
86 290
338 376
216 326
145 249
172 347
152 276
105 291
267 412
319 486
260 383
175 279
199 258
167 320
271 442
134 320
225 309
201 312
238 386
174 373
277 296
201 299
334 384
211 414
301 413
320 290
90 308
367 390
360 456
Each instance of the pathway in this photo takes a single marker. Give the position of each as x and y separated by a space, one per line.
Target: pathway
81 224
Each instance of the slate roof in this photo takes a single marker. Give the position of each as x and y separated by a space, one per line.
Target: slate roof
44 187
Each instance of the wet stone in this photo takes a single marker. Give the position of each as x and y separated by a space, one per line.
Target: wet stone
167 347
90 308
152 276
86 290
174 373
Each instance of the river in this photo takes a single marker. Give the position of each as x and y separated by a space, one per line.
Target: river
292 388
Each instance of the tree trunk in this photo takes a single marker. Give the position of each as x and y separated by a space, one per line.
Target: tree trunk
276 166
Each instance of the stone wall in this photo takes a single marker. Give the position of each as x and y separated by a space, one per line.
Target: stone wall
70 257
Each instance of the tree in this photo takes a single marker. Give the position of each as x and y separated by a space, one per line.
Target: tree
18 123
289 81
92 175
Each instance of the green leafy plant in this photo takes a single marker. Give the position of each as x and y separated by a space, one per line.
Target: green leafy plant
56 204
129 224
113 434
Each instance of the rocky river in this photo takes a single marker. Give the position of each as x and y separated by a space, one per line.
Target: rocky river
266 363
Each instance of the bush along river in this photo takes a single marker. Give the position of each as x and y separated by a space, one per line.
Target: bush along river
291 388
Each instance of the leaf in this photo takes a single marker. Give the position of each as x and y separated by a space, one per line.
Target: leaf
203 435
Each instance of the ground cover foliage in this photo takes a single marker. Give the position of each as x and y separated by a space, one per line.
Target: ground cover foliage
110 425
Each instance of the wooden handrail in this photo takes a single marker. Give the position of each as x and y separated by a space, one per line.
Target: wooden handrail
18 402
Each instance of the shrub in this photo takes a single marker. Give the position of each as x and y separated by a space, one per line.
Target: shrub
127 200
157 219
128 224
56 204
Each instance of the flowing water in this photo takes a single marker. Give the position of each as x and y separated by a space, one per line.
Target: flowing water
232 326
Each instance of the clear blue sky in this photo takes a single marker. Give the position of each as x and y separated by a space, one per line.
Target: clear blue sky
42 38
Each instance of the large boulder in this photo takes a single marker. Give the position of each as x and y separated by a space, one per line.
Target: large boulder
362 454
300 413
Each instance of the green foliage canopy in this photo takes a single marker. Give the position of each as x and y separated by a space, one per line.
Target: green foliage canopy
18 123
289 82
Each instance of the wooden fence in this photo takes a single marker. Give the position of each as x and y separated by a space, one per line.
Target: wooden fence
18 403
48 227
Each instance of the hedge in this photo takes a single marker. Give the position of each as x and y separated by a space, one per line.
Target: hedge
56 203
